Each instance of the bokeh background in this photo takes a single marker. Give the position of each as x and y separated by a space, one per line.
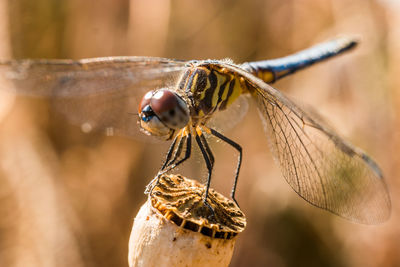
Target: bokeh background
69 198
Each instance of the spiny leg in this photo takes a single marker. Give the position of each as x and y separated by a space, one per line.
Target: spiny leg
208 150
239 149
212 160
154 182
188 152
177 154
208 158
169 163
170 150
174 163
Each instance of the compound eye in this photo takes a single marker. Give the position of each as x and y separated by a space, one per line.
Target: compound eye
170 108
145 101
163 101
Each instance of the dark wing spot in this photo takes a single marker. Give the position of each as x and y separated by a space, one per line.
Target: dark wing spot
208 244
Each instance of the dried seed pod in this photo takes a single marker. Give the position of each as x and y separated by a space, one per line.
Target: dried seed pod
175 228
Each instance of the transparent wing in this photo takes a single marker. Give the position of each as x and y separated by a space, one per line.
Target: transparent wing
321 167
99 94
229 118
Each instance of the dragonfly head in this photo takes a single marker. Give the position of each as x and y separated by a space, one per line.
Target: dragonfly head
162 112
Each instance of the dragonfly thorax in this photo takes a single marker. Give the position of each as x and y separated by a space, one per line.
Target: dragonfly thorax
209 88
162 112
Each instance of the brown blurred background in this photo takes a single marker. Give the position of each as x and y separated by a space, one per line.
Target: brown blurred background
68 198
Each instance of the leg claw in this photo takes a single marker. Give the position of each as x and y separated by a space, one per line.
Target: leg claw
153 183
212 216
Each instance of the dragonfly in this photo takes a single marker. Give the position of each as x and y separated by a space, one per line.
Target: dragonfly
188 102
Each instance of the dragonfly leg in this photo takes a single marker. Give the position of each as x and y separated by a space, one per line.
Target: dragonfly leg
188 139
177 154
209 159
154 181
169 163
239 149
170 151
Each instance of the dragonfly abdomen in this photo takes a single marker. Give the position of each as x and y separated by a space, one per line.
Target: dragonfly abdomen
210 89
274 69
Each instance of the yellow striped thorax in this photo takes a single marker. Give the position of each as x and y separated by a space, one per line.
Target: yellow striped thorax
209 88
